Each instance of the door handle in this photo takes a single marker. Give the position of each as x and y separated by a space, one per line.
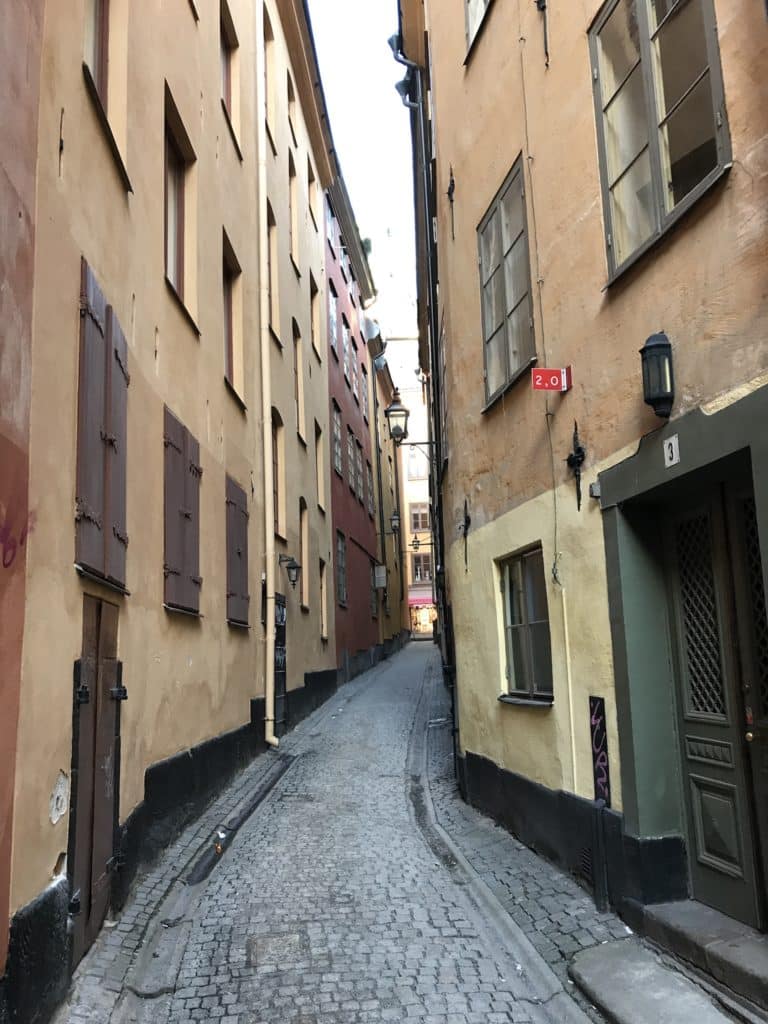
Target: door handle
749 737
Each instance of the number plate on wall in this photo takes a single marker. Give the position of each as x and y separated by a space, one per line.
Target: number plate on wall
544 379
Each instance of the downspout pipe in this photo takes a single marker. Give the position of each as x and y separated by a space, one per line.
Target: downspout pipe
266 411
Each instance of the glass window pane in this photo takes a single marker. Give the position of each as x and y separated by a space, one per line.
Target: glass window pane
518 659
495 363
632 209
535 586
688 143
618 47
493 304
659 9
475 11
490 247
512 212
626 125
519 335
541 658
680 55
516 273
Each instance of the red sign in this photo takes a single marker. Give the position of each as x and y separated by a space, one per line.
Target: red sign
544 379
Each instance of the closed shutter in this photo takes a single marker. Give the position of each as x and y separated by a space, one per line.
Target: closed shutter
118 379
91 427
174 441
191 515
237 553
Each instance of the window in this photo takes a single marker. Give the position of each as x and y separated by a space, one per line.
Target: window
101 539
229 67
182 517
345 345
364 391
330 228
323 602
298 381
272 273
359 474
174 215
320 464
351 459
291 93
333 319
526 626
341 569
374 592
304 552
314 312
232 303
238 599
269 78
278 489
391 484
418 466
506 287
312 193
353 370
660 108
343 260
421 565
293 205
419 517
369 476
337 449
97 45
474 14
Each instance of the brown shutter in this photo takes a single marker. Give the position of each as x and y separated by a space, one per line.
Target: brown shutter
191 516
91 426
237 553
174 442
118 379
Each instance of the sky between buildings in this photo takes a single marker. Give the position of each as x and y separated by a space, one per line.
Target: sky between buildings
371 131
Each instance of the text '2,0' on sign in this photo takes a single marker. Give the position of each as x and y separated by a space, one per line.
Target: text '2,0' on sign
544 379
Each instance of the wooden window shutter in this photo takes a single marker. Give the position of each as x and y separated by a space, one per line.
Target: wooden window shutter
191 516
92 426
117 381
173 568
238 598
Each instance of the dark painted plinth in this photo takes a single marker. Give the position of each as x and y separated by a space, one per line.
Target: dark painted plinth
317 689
176 791
38 968
353 665
579 836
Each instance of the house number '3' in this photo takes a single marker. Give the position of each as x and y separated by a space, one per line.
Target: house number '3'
671 451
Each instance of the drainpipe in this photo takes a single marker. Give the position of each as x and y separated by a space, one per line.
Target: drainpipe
266 407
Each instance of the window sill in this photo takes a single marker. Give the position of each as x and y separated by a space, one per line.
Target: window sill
281 537
235 396
295 266
342 604
321 509
323 639
335 353
182 308
232 132
691 200
270 138
293 132
172 608
101 114
339 473
316 350
195 12
527 702
275 336
234 624
478 33
518 375
302 439
314 219
304 608
94 577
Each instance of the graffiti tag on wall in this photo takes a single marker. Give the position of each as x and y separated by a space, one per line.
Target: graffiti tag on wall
599 736
12 540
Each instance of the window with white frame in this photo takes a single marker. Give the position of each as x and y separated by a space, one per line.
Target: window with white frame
364 390
351 459
662 129
374 592
505 283
419 517
421 565
341 568
369 480
353 372
338 455
333 319
345 345
526 627
474 14
359 475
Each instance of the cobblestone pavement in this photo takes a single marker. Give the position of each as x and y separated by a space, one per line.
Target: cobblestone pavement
333 906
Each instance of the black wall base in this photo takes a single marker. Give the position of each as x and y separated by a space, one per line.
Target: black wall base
38 968
353 665
580 836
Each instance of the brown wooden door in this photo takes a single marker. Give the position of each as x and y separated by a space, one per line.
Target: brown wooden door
721 835
94 763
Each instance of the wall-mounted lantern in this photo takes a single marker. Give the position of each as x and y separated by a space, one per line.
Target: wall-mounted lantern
292 567
397 418
658 374
394 521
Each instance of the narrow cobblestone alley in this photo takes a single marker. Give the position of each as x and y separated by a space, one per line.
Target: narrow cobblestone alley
338 900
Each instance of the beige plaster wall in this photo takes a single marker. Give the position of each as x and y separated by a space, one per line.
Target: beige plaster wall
187 679
307 651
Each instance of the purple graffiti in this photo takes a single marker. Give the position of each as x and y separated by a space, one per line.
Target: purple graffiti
600 763
11 545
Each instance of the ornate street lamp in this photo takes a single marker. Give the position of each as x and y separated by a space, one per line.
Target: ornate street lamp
394 521
292 567
658 374
397 418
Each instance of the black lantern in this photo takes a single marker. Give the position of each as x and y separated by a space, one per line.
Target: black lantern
658 375
292 567
397 418
394 521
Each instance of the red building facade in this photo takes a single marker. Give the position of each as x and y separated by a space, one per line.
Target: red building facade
353 501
